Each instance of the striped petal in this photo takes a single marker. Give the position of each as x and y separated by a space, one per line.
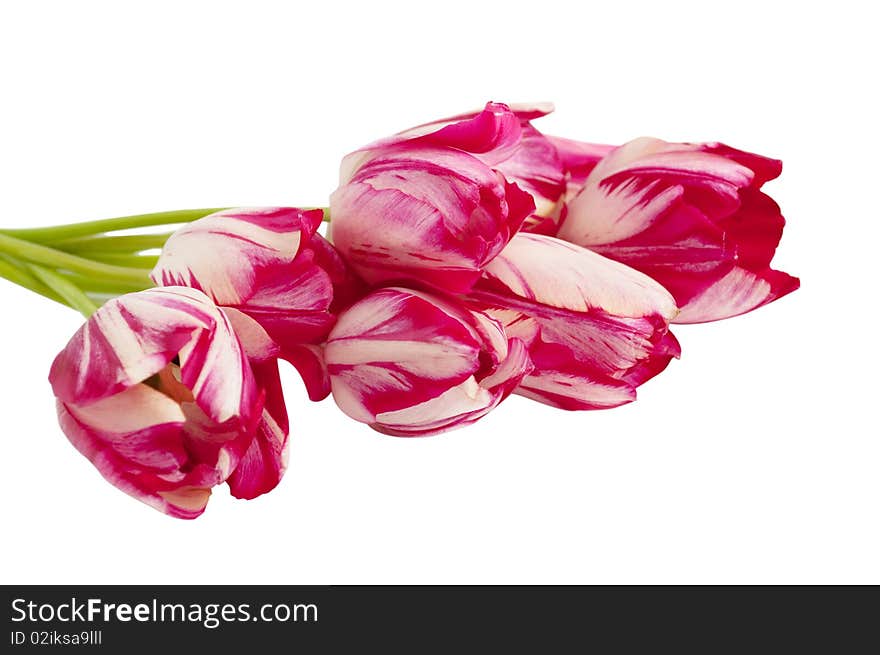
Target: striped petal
133 337
492 133
261 467
595 329
551 272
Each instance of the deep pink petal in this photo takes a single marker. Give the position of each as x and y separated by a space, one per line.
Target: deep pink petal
737 292
311 365
491 132
261 467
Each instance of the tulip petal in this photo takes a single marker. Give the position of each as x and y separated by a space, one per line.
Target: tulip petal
537 169
393 350
133 439
227 254
133 337
261 467
492 132
595 329
578 160
557 274
737 292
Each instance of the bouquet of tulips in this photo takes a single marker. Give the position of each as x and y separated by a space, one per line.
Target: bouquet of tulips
464 260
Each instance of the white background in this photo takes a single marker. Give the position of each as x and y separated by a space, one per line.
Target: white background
754 459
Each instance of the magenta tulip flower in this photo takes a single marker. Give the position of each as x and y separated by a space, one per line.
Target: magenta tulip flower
409 363
430 206
157 391
693 217
270 264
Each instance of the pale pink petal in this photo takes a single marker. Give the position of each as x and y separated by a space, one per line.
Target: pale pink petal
255 341
737 292
552 272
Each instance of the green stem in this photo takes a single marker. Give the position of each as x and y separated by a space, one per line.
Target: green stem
145 262
105 286
128 243
75 230
71 293
10 270
37 254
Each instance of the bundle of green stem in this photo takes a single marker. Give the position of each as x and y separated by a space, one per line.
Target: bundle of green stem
81 265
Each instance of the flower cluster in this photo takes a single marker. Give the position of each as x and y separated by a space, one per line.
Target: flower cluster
465 260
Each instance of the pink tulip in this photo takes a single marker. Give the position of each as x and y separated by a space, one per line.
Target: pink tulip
157 391
430 206
270 264
595 329
410 364
691 216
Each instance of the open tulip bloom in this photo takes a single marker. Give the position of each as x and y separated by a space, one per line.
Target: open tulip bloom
466 259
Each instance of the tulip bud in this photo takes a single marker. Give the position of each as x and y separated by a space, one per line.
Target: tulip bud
410 364
691 216
429 206
156 390
270 264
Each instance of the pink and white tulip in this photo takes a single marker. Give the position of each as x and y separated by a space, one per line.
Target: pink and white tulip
693 217
595 329
270 264
157 392
528 158
410 363
430 206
